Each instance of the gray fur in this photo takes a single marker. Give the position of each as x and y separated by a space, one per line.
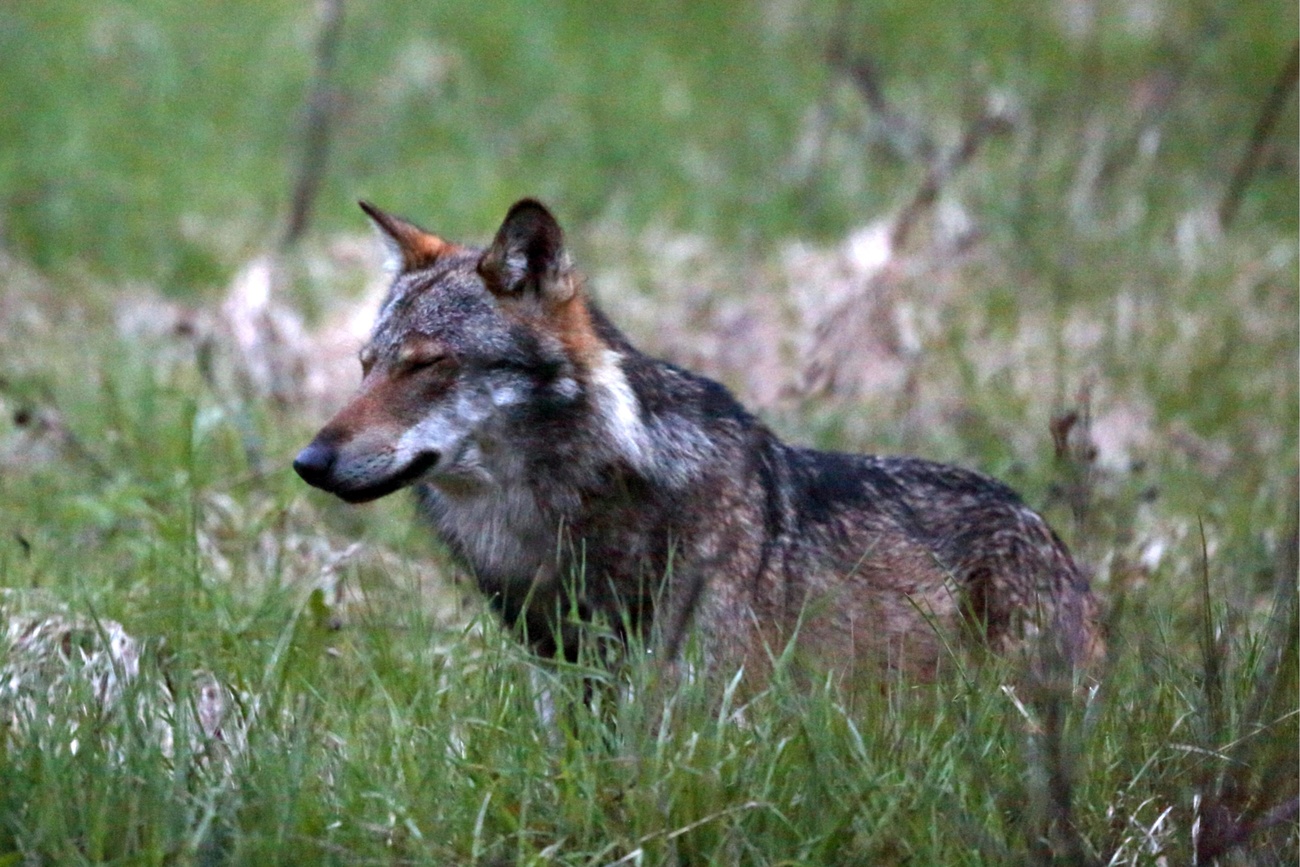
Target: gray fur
569 472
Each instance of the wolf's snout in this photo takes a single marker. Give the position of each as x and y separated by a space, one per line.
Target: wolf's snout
314 463
357 474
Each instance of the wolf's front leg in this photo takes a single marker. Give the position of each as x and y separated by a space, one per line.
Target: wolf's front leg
707 633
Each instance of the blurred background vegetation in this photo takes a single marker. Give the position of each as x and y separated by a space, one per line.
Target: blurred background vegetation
146 141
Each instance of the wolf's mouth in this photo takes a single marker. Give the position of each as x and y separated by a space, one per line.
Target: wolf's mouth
416 468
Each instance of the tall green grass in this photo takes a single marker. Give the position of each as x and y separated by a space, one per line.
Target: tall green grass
397 739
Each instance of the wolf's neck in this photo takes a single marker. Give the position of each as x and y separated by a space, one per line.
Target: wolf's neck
619 413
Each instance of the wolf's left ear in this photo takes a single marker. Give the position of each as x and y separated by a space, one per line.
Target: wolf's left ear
410 248
528 255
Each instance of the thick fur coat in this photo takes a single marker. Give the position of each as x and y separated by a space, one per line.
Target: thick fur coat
579 480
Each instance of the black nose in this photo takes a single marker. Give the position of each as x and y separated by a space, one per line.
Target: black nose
314 462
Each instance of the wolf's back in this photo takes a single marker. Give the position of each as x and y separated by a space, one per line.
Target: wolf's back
1008 573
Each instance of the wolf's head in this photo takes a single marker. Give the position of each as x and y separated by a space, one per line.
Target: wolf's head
470 348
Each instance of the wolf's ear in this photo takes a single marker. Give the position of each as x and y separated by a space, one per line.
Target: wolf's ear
409 247
528 255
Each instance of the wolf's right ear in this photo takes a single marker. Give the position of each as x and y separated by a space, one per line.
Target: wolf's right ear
409 247
528 255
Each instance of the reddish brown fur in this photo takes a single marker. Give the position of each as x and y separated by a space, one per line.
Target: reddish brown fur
570 321
419 249
571 473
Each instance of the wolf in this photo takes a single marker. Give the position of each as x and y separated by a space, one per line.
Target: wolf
580 481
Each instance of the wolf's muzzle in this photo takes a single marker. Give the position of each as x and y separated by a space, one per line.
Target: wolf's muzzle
314 463
318 464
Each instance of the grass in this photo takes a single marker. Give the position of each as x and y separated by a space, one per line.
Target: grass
298 700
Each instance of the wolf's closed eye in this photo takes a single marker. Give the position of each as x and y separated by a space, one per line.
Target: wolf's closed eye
411 365
423 355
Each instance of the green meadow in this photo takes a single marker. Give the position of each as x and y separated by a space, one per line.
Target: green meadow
1054 242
